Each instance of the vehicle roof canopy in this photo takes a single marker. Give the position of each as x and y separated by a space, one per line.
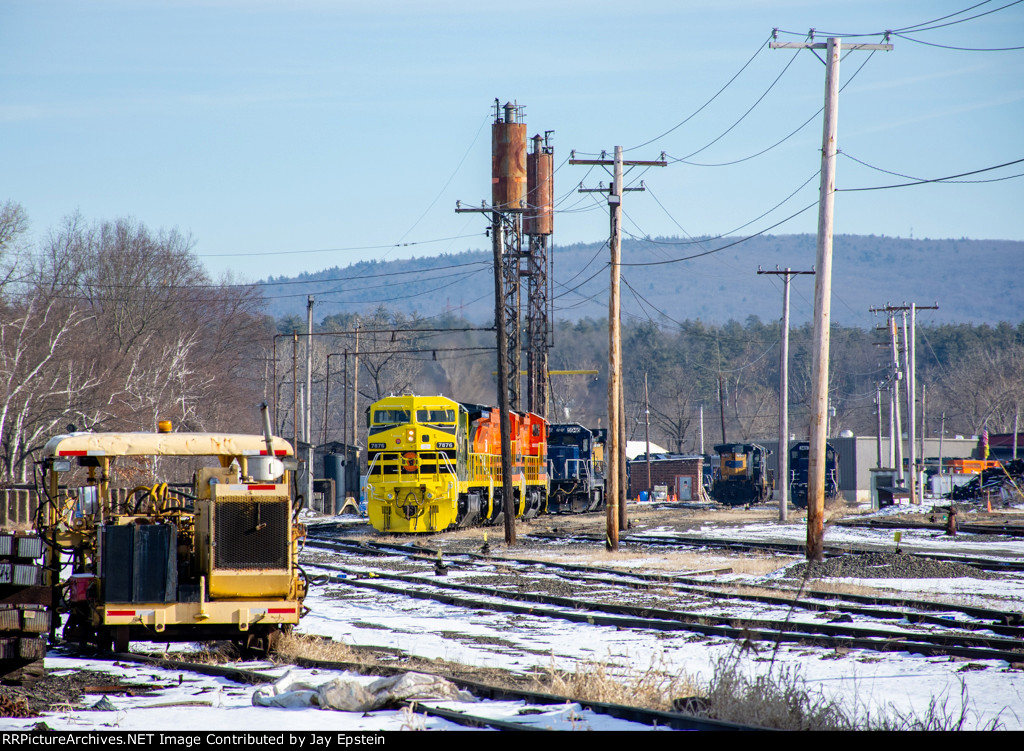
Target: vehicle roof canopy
163 444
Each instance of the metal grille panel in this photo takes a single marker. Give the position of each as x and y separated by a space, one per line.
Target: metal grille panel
251 534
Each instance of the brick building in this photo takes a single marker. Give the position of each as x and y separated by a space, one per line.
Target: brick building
679 473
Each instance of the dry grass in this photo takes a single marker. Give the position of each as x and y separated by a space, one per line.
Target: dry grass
653 688
758 565
780 700
293 646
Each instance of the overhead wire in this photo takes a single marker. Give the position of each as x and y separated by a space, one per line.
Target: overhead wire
918 27
447 183
724 247
960 49
333 250
804 124
744 115
947 178
697 111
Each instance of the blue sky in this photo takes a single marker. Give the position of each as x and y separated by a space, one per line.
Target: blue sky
269 130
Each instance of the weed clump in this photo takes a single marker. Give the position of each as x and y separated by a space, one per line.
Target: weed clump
780 700
652 688
292 646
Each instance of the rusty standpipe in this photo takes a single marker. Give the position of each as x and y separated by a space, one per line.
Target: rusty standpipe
951 520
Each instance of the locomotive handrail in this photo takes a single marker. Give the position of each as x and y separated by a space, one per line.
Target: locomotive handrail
447 464
578 461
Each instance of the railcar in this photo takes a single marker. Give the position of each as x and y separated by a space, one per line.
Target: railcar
172 537
799 460
742 477
435 464
575 468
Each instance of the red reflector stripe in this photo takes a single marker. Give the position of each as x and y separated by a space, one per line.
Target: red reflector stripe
120 612
280 610
261 487
277 452
72 453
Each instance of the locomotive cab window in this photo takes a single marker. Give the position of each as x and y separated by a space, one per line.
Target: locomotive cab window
442 416
391 416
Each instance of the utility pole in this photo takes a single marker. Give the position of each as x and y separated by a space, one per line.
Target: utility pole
878 409
647 431
910 369
721 406
498 235
295 388
616 464
942 436
509 180
702 430
823 291
355 396
783 462
924 423
911 414
615 416
1016 420
309 402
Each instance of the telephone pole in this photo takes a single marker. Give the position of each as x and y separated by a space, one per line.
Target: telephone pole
308 431
783 462
823 289
647 430
910 369
615 482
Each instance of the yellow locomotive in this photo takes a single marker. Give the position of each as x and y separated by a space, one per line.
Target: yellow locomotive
435 464
210 558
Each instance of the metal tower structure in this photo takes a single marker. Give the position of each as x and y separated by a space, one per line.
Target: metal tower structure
538 226
508 196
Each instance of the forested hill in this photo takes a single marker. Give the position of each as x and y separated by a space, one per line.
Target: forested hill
715 281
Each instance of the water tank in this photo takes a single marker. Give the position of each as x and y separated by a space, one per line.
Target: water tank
334 469
539 190
508 160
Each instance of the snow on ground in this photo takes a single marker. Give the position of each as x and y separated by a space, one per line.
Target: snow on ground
871 683
202 703
868 681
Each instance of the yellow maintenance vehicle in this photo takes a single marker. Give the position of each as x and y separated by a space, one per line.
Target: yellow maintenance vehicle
172 537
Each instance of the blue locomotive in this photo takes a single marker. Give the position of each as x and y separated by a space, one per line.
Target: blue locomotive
575 468
799 459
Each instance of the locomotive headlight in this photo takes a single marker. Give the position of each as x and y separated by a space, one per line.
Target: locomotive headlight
429 496
391 496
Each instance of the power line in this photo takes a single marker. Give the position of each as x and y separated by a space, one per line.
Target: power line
724 247
778 143
744 115
948 178
333 250
924 26
697 111
962 49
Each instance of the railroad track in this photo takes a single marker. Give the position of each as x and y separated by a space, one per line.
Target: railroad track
994 564
491 693
958 638
979 528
